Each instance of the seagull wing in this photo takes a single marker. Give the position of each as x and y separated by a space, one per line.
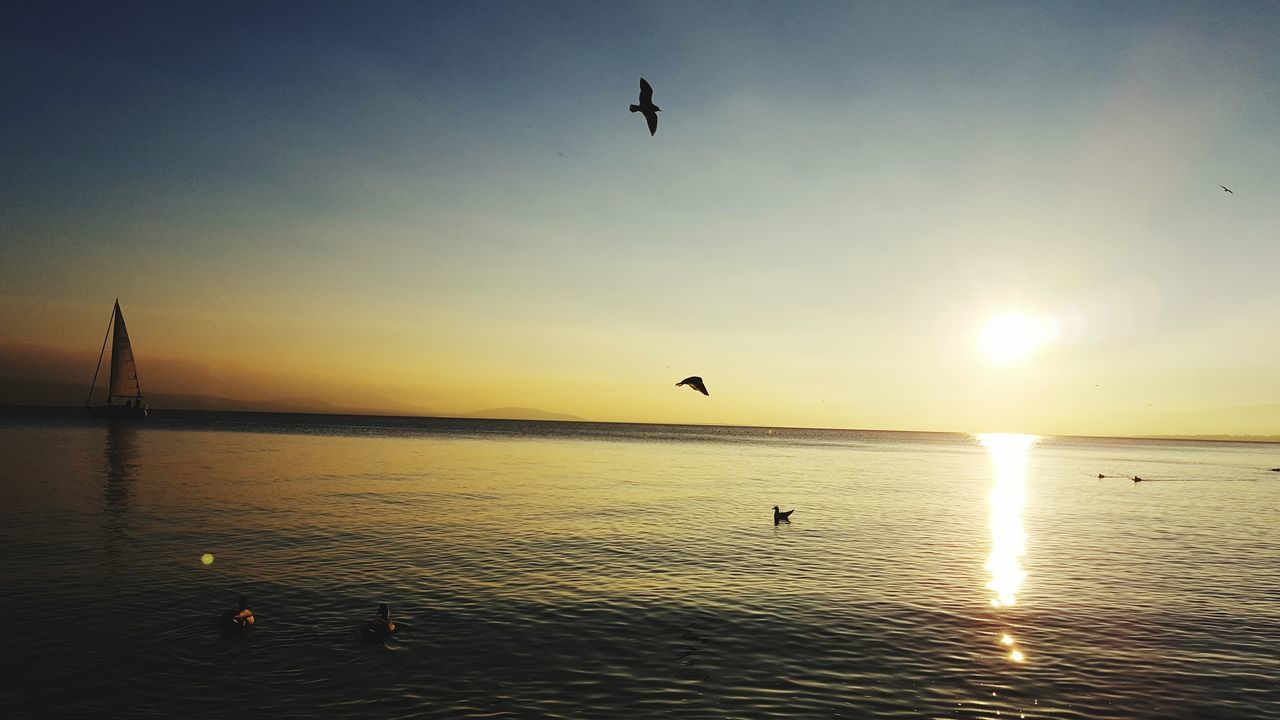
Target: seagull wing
694 382
646 92
652 118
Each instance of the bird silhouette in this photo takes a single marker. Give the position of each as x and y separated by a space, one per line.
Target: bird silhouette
694 382
646 106
781 517
1136 479
379 628
1224 187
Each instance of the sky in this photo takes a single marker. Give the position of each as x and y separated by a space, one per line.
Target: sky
447 206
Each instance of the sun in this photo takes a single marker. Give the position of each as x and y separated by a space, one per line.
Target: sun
1013 337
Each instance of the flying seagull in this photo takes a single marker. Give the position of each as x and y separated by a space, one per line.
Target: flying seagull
779 516
1224 187
646 106
694 382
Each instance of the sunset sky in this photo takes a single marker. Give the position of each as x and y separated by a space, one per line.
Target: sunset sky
448 207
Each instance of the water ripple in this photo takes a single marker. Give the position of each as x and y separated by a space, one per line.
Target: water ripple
594 573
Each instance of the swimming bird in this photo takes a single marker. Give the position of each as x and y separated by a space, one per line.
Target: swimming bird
1224 187
646 106
1101 476
379 628
694 382
1136 479
239 620
780 517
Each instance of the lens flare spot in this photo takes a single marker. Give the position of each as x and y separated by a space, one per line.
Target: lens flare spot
207 558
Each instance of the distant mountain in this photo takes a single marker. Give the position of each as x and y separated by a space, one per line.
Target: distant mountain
166 401
1219 438
40 392
38 375
37 392
519 413
1241 420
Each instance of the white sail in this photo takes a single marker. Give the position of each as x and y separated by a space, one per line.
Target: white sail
124 373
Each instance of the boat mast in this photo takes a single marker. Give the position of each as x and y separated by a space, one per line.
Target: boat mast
101 352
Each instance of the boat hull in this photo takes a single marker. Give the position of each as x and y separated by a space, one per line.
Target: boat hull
118 412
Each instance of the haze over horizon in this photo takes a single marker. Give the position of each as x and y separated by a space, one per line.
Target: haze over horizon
449 207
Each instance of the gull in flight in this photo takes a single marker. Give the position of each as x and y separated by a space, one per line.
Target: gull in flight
1224 187
646 106
694 382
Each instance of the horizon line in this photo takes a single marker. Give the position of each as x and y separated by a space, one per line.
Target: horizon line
1221 438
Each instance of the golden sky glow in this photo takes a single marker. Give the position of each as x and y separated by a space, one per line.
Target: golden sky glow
349 221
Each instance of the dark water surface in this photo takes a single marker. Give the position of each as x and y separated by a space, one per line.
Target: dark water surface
596 571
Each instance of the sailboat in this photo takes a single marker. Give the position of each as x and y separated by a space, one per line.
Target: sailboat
124 393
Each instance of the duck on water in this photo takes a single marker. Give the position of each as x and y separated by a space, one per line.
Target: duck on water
379 628
240 620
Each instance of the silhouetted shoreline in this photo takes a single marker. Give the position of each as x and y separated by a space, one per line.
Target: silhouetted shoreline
165 418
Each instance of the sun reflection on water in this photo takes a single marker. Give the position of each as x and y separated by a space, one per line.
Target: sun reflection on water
1008 538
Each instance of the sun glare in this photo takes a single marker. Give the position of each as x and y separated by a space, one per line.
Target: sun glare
1008 537
1012 337
1009 458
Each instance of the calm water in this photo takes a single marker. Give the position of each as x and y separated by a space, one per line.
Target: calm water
599 571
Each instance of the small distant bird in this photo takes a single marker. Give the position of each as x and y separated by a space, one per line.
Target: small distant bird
1101 476
1275 469
646 106
694 382
781 517
1224 187
1136 479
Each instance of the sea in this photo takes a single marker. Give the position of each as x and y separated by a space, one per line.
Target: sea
597 570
